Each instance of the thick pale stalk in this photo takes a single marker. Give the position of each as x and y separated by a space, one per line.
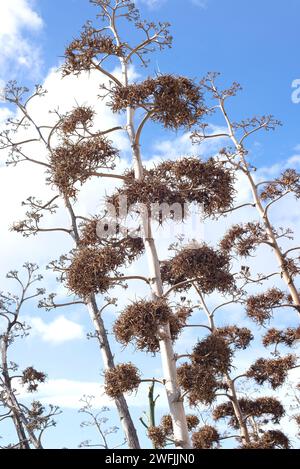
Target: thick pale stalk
264 215
108 362
231 383
238 412
168 359
276 248
107 356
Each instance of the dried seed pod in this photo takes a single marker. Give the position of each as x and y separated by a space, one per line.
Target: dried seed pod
274 371
74 163
123 378
140 323
173 101
209 267
206 437
260 307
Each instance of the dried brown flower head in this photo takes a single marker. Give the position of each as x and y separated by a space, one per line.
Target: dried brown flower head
199 382
192 421
176 183
267 407
260 307
212 354
76 162
204 182
123 378
289 181
209 267
32 378
271 439
157 436
86 52
140 323
243 239
287 336
274 371
36 416
239 337
206 437
130 247
172 101
166 425
89 269
80 116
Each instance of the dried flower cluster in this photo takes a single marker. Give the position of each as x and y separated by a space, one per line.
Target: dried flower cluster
289 181
212 354
173 101
287 336
160 434
260 307
208 268
272 371
200 385
32 378
157 436
123 378
176 183
204 182
211 358
243 239
80 116
86 52
267 407
89 269
206 437
76 162
131 247
140 323
271 439
239 337
167 425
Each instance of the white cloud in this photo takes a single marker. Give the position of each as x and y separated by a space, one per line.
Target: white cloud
183 146
67 393
56 332
18 20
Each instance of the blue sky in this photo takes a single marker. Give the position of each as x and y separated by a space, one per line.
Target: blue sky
255 43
